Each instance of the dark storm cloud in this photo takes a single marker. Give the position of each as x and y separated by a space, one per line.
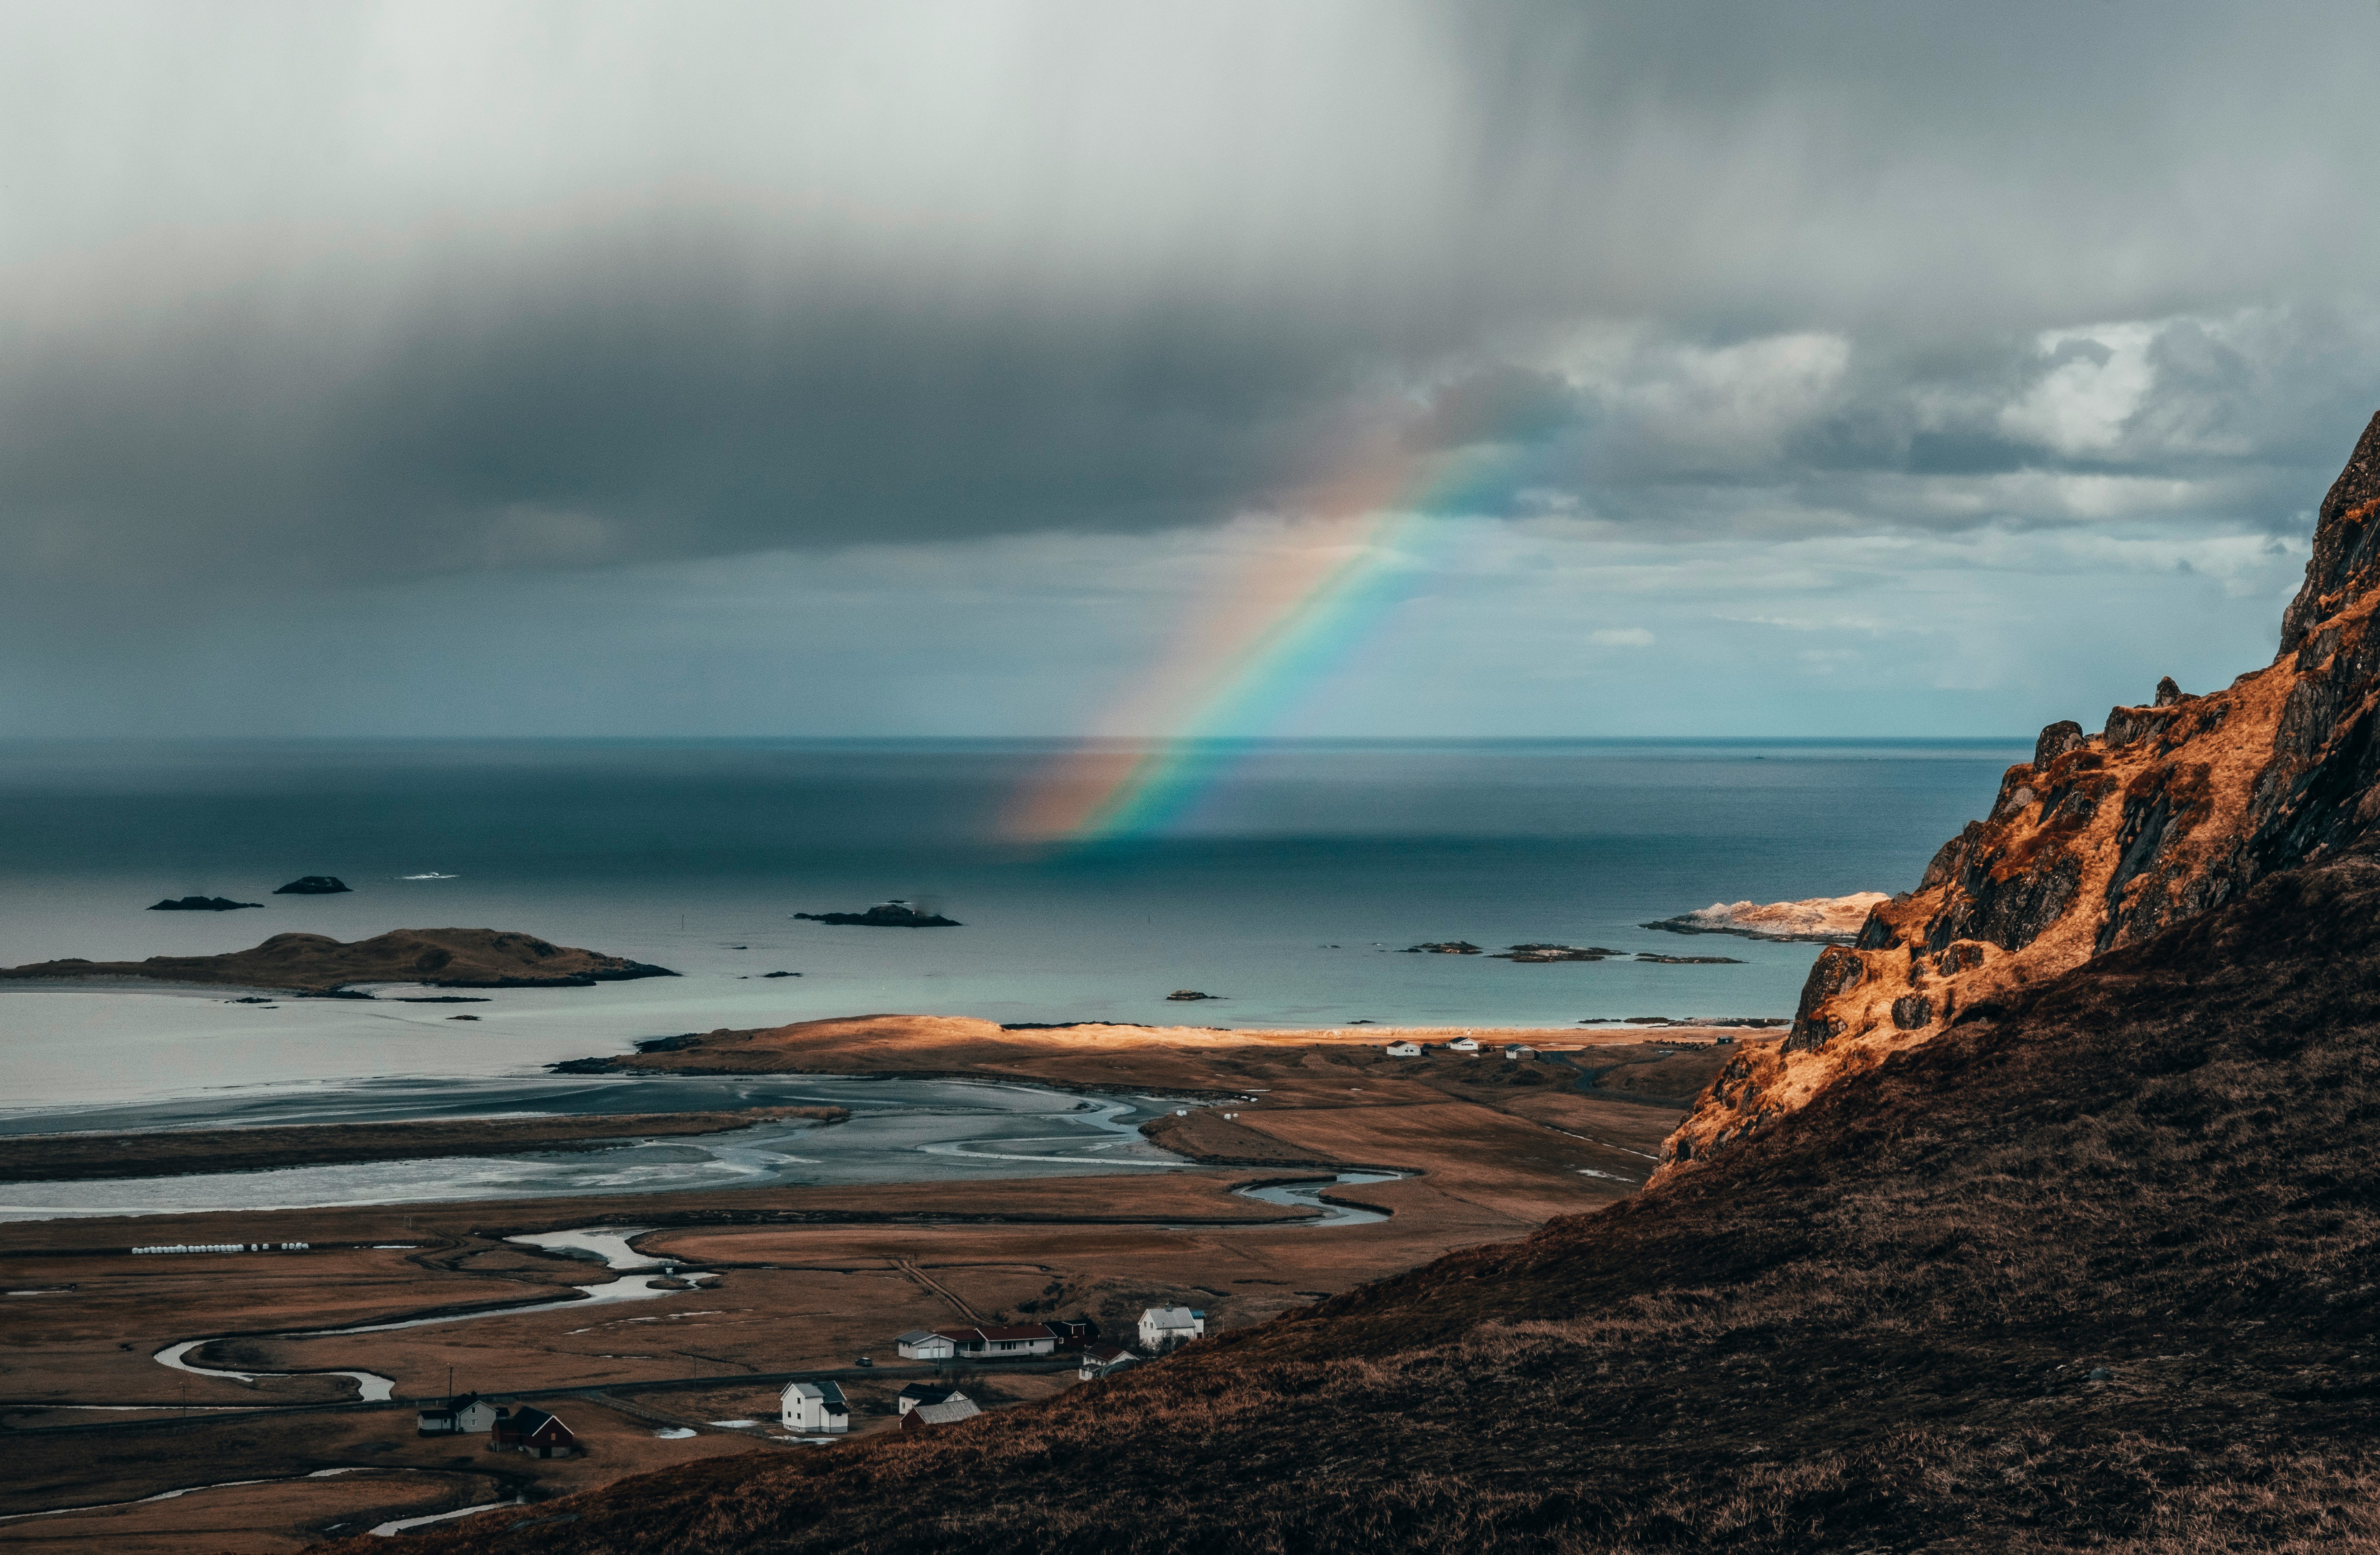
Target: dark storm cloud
304 296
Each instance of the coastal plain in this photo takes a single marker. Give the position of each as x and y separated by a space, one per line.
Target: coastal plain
802 1278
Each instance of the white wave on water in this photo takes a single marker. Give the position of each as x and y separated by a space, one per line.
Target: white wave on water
433 875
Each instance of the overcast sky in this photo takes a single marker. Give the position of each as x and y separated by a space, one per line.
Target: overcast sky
915 369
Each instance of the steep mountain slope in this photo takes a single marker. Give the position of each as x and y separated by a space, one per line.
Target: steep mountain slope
2099 1266
2102 840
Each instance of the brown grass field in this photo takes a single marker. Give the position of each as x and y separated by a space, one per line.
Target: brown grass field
809 1278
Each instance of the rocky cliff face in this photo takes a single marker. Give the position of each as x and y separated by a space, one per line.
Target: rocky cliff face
2102 840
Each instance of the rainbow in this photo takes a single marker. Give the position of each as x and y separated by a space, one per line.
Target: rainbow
1247 652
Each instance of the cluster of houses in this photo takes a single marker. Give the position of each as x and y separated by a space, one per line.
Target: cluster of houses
532 1433
1160 1328
820 1408
1512 1051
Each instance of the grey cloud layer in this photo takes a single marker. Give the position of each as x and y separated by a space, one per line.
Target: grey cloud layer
311 295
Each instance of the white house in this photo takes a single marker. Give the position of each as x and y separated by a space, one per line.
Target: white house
1164 1325
1102 1360
1024 1339
1519 1051
918 1394
815 1408
1464 1045
923 1344
468 1416
1404 1050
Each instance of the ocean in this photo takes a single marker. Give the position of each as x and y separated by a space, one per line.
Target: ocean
1288 889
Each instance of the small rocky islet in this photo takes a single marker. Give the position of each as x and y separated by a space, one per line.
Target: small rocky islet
1540 951
885 915
319 967
304 885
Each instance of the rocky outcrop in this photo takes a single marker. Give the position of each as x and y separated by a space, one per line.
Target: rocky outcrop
2175 808
1825 920
314 885
201 905
318 964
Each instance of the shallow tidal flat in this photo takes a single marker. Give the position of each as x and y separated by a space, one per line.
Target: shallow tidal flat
72 1158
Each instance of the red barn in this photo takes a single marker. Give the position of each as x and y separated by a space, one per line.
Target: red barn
534 1432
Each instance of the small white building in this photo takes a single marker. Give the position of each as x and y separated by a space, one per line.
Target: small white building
949 1411
1161 1327
1516 1050
468 1416
917 1395
815 1408
1404 1050
924 1344
1464 1045
1103 1360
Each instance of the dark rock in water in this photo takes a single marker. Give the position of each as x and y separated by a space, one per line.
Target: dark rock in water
886 915
667 1044
1444 947
1689 960
314 885
437 998
1185 995
583 1066
766 975
201 905
462 1017
1550 952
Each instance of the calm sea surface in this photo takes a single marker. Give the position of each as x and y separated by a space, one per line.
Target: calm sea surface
1287 889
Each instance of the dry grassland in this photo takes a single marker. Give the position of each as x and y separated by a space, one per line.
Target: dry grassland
809 1278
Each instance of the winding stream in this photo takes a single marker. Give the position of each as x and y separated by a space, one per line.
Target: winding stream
608 1245
373 1388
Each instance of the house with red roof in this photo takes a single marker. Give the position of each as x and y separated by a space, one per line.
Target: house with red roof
533 1432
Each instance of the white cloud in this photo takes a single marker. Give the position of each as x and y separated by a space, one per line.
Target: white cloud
1623 637
2097 381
